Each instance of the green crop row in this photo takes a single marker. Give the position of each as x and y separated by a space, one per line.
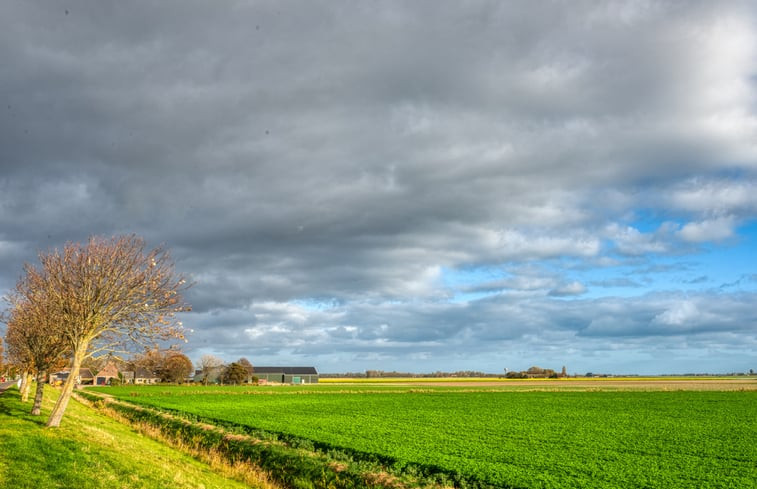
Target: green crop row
523 439
294 462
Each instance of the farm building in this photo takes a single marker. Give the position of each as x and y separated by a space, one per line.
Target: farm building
140 376
85 377
108 372
287 375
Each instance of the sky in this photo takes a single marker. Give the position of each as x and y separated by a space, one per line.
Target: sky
414 186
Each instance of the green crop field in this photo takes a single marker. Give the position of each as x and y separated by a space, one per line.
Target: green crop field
506 438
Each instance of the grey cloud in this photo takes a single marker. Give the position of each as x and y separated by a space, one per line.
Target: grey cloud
350 153
501 324
742 280
568 289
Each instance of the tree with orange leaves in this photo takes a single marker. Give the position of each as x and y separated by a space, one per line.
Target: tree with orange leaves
176 368
33 337
105 294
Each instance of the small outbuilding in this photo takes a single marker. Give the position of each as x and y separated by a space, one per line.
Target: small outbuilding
287 375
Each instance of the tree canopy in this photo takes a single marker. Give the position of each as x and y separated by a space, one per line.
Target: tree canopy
176 368
235 373
247 365
33 337
103 295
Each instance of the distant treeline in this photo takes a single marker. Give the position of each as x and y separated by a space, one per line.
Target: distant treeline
374 374
531 373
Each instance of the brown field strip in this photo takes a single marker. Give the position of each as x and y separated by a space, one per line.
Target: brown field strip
694 384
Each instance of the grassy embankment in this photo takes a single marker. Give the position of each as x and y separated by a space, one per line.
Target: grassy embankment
92 451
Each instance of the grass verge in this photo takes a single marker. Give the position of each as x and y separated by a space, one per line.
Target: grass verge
90 451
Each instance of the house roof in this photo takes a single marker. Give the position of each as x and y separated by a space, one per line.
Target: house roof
285 370
143 373
109 370
85 373
140 373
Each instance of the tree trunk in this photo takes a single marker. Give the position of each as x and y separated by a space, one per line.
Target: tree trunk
22 386
62 403
26 380
38 395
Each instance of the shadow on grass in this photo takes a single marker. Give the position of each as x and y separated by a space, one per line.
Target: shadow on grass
11 406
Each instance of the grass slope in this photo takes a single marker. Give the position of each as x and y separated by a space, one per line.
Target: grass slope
89 451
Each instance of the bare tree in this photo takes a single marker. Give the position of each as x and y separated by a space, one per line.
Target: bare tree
247 365
209 363
95 364
152 360
33 336
105 294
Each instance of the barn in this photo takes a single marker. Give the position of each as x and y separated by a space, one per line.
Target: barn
104 376
287 375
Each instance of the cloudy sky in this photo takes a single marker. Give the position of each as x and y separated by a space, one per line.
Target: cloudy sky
412 186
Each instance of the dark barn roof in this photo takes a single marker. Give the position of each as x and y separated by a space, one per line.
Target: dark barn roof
285 370
86 373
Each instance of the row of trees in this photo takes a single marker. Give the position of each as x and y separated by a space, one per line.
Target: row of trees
104 296
537 373
169 365
213 370
394 374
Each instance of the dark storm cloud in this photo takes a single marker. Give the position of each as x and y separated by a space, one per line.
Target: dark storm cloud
346 153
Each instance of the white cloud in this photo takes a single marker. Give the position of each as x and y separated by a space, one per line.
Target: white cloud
716 197
716 229
679 314
514 244
631 241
